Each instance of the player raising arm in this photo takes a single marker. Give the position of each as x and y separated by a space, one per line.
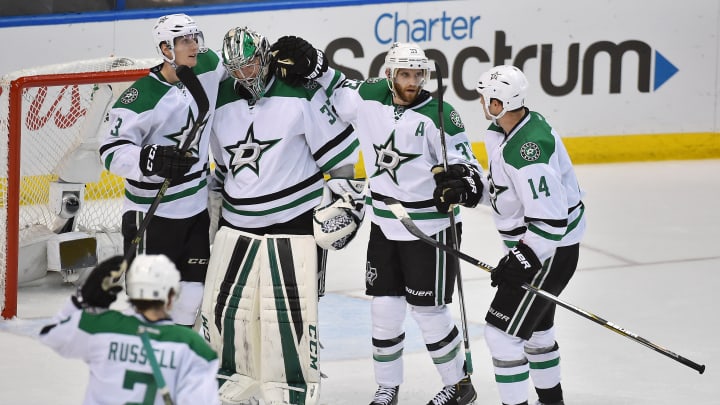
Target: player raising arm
398 125
111 342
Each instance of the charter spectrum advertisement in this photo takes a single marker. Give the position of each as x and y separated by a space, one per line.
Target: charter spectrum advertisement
588 79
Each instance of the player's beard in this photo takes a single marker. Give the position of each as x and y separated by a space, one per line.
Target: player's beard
405 94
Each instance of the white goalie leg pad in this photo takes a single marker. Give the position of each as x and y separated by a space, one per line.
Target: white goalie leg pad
230 310
289 318
239 390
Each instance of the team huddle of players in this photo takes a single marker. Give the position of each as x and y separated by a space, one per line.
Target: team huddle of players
238 242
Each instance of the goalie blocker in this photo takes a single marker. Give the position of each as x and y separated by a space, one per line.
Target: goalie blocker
259 313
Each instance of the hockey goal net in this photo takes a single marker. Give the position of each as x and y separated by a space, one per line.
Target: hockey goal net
52 119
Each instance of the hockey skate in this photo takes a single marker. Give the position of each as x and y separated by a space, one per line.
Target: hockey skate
385 396
461 393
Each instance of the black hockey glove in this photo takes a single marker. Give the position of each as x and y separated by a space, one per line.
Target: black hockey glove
295 60
518 267
460 184
98 290
165 161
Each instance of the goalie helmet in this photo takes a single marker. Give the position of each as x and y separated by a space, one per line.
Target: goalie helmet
335 223
246 57
505 83
151 277
169 27
406 55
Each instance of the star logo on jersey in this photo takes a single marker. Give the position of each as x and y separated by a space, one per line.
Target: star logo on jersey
530 151
130 95
247 152
180 136
494 190
388 159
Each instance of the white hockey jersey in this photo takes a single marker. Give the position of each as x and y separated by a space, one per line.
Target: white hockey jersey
120 372
532 190
271 154
153 111
399 146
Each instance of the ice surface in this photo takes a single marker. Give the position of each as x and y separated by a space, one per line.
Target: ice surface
650 262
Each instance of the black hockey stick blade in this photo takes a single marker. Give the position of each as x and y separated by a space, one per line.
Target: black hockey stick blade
192 83
399 211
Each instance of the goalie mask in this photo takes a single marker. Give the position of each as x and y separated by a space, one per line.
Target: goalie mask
339 215
246 57
505 83
170 27
151 277
406 55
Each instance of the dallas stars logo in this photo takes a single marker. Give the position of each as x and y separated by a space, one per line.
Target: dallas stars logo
247 152
388 159
494 190
180 136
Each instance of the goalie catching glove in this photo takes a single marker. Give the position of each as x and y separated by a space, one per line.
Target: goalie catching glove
99 290
460 184
339 215
296 61
165 161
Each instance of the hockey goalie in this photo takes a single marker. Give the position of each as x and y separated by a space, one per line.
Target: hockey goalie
274 146
260 307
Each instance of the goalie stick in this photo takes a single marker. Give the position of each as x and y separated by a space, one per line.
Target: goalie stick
453 231
157 374
191 82
399 211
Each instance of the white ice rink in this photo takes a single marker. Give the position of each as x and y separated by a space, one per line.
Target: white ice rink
650 262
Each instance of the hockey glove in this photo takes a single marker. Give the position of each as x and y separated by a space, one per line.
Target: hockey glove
99 290
164 161
296 61
518 267
340 213
460 184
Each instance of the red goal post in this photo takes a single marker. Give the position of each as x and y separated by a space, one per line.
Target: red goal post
47 115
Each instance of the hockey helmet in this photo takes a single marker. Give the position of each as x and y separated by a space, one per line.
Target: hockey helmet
406 55
151 277
505 83
169 27
243 49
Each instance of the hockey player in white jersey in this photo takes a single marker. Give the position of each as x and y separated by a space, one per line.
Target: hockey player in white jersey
148 123
538 211
111 342
273 144
398 126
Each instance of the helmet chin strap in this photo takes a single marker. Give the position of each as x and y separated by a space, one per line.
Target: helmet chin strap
170 61
493 117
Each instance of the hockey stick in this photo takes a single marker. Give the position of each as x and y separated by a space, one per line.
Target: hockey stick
399 211
453 231
157 375
191 82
